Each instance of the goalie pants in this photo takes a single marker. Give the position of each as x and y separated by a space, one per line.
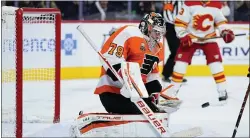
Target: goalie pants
118 104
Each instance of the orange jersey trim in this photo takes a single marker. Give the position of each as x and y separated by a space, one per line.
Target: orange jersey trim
169 7
107 88
210 35
192 36
103 71
110 40
220 23
180 23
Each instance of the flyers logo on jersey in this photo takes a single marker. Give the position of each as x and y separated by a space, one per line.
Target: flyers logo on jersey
198 21
148 63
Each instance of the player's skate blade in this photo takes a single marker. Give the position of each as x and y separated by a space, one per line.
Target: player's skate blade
223 98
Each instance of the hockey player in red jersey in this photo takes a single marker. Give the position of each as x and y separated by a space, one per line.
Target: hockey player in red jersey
198 20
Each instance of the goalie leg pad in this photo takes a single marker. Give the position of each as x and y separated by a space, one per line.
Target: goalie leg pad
123 126
101 124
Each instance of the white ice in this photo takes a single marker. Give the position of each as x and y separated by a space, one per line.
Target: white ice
220 121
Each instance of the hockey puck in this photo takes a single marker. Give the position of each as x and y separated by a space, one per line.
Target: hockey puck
205 105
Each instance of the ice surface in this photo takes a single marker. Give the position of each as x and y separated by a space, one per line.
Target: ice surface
78 95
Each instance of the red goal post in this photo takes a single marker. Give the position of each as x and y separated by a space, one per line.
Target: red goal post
31 45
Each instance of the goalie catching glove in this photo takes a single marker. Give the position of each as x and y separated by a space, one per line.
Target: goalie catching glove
165 102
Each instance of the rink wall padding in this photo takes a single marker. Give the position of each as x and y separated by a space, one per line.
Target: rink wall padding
68 73
193 70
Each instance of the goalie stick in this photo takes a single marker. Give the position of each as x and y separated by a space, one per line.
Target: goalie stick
241 111
205 39
142 106
215 103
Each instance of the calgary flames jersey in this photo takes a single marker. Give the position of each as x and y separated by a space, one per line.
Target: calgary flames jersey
200 19
127 44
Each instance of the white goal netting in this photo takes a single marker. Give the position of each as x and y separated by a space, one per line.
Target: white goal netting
38 68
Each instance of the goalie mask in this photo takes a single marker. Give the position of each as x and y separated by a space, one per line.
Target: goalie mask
153 26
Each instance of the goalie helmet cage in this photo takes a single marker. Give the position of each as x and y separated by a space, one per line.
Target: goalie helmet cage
36 62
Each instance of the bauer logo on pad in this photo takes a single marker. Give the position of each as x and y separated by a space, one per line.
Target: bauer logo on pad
68 45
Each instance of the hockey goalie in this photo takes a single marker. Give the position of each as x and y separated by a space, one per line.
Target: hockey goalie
129 88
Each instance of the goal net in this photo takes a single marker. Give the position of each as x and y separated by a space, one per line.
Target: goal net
30 68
